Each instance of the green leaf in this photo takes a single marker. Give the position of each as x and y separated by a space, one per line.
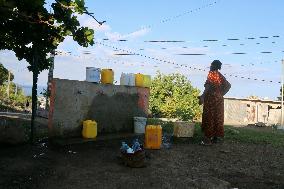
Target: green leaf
173 96
90 35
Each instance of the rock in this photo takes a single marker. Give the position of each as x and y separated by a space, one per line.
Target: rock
260 124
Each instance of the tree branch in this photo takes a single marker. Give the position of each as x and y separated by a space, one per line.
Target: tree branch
91 15
85 12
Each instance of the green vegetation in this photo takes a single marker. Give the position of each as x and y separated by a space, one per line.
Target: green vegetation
4 75
16 100
166 125
173 96
33 32
248 135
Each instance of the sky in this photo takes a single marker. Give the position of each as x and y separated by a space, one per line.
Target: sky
200 26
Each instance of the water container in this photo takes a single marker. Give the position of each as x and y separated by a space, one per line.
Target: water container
124 79
139 124
153 136
183 129
127 79
93 74
131 78
139 80
130 151
167 140
124 147
89 129
147 81
107 76
136 145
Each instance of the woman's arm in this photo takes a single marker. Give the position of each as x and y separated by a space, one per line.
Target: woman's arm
207 87
226 87
201 98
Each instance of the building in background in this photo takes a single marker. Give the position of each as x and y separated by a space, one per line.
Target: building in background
250 111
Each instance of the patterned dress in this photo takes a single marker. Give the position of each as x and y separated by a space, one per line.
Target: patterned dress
213 109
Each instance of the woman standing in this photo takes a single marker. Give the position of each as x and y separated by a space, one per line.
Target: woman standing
216 86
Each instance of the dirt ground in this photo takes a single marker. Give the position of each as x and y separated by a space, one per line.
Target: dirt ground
184 165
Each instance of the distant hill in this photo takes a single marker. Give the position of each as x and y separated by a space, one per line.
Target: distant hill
28 90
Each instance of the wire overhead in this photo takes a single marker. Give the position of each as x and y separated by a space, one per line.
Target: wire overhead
181 65
162 21
164 41
190 54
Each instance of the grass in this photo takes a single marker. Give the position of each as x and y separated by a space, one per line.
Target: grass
234 134
248 135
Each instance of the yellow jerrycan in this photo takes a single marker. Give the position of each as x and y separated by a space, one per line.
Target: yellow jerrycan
153 137
90 129
107 76
147 81
139 80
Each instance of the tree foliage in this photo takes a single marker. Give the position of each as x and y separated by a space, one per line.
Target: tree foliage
173 96
4 74
28 29
17 98
32 32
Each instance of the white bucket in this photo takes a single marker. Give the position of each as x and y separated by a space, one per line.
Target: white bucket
123 79
139 124
93 74
127 79
131 79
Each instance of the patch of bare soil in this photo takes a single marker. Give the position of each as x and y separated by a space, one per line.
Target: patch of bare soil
184 165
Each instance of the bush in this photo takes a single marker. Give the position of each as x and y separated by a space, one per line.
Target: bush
173 96
167 126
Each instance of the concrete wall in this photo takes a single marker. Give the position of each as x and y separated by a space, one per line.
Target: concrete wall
234 112
274 116
244 111
112 106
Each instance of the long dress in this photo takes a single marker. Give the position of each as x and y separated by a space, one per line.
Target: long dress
213 109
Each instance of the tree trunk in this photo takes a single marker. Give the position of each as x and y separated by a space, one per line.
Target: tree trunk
50 77
34 103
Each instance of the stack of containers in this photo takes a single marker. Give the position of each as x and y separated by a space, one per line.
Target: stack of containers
96 75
